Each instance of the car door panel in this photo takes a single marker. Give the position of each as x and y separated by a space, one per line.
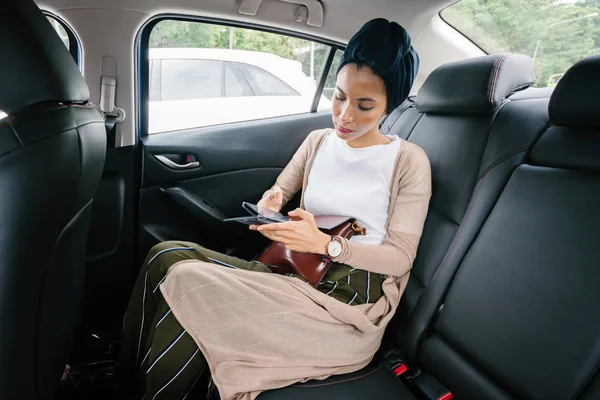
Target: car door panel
237 162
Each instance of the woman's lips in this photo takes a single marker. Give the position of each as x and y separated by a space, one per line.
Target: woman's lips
344 130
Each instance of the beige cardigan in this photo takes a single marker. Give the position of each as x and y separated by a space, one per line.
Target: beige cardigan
263 331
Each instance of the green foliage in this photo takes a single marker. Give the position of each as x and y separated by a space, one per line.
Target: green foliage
562 31
174 34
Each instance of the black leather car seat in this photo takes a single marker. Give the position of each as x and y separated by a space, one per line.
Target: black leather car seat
521 319
471 133
52 152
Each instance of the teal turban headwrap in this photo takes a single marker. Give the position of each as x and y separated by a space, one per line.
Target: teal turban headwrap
386 48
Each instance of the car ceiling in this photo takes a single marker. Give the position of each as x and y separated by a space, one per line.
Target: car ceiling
341 17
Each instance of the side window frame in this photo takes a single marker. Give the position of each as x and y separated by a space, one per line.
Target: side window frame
142 59
74 42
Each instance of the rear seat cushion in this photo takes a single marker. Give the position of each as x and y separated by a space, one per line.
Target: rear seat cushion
475 86
521 319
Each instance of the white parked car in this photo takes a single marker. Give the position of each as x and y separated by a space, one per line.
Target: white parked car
192 87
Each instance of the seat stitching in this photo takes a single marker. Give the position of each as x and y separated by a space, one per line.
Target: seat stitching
338 382
494 78
458 235
54 135
503 159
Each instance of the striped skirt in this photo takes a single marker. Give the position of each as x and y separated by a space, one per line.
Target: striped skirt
159 354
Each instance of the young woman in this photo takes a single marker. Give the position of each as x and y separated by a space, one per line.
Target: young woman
195 311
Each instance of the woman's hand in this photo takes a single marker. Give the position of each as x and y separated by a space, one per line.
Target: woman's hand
272 199
301 235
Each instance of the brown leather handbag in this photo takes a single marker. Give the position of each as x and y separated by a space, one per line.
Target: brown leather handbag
310 266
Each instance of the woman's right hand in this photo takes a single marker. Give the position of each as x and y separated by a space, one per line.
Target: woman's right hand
272 199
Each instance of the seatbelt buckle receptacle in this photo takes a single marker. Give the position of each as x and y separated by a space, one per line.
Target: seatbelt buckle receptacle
429 387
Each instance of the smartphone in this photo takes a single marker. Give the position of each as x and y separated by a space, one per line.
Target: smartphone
258 216
264 213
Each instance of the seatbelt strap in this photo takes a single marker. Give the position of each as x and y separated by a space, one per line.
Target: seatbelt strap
110 123
393 117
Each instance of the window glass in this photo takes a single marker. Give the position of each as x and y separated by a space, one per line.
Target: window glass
155 78
264 83
223 74
555 33
235 84
190 79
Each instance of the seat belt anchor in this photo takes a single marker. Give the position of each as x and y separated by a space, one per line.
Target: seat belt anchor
107 106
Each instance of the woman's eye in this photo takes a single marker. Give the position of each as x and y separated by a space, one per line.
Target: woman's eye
365 108
339 98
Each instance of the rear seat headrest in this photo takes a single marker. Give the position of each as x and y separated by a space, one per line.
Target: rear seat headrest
475 86
36 66
575 99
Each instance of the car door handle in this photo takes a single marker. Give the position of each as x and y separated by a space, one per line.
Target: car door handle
172 164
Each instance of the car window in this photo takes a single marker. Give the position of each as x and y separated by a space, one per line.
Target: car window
190 79
264 83
155 80
235 83
555 33
221 74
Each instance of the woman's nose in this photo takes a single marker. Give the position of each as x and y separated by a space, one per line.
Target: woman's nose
346 115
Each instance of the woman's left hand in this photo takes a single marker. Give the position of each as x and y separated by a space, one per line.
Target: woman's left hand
301 235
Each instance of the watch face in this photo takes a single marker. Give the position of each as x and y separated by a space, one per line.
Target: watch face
334 248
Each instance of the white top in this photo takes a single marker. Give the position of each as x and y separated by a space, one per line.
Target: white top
353 182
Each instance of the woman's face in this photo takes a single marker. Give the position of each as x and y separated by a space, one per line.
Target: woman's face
358 103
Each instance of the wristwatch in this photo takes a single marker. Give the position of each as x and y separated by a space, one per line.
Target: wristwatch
334 247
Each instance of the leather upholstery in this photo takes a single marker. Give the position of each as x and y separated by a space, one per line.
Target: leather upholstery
575 99
475 86
37 68
52 154
534 325
466 153
521 317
